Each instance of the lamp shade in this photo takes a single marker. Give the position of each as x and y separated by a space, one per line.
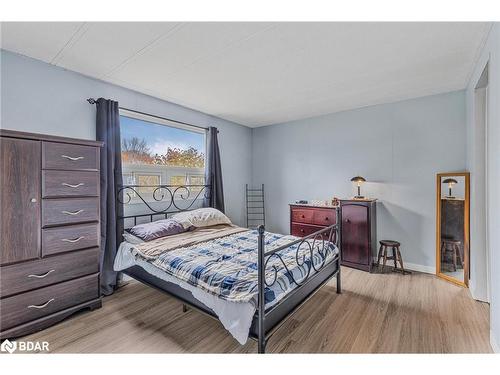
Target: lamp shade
358 179
449 181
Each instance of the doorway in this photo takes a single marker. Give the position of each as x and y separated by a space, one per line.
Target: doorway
480 250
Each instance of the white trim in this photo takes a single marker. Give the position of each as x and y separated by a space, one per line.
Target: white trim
494 342
487 174
415 267
479 283
477 295
472 288
420 268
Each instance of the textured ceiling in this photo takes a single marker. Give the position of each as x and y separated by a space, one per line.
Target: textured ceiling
261 73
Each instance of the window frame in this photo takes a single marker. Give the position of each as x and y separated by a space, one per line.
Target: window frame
162 121
164 175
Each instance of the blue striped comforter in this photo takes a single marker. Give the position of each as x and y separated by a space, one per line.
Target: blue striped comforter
227 266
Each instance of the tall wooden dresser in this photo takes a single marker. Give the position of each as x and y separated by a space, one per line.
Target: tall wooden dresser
50 230
359 233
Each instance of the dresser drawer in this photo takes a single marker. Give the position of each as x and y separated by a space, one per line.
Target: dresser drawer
69 157
37 303
69 211
302 230
302 215
69 184
324 217
39 273
68 238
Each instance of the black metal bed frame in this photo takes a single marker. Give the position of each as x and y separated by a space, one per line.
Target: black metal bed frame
266 321
126 193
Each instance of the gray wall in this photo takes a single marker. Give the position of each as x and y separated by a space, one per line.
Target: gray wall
475 152
41 98
397 147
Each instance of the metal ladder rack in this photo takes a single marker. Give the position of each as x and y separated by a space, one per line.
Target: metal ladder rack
255 207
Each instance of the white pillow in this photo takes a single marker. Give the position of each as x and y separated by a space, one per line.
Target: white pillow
202 217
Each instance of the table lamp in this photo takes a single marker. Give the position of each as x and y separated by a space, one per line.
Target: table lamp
358 180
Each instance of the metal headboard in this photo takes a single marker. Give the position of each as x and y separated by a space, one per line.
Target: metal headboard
159 200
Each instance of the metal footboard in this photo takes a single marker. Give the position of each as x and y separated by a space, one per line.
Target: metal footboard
318 242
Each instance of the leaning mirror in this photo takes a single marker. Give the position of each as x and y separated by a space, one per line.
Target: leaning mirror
452 227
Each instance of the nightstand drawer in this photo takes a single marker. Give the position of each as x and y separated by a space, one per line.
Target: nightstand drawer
26 276
38 303
302 215
302 230
69 184
69 238
69 211
69 156
324 217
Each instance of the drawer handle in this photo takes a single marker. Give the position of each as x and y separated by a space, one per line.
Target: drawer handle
43 275
41 306
73 240
73 186
72 158
326 218
72 212
303 216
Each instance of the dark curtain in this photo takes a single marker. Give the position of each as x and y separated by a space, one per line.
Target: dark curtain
214 172
108 131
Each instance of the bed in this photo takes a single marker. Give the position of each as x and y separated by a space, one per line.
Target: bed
248 279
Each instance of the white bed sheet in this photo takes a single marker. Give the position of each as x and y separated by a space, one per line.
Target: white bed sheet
236 317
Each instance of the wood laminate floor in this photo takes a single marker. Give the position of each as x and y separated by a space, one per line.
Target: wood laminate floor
377 313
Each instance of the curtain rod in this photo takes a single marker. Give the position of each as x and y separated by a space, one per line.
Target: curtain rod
93 101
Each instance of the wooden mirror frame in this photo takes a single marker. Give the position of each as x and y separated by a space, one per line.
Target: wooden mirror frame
466 175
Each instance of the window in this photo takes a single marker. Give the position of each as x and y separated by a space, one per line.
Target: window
149 181
196 179
177 180
128 179
156 151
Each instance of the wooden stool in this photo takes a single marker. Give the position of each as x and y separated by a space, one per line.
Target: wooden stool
396 254
454 247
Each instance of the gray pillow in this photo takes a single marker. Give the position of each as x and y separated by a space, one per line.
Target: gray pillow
157 229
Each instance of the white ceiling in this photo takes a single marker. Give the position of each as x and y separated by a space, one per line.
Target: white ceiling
261 73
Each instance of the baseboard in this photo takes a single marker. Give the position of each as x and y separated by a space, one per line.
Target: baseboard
479 296
415 267
494 342
420 268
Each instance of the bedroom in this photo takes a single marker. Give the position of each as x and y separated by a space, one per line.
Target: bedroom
209 187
